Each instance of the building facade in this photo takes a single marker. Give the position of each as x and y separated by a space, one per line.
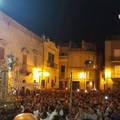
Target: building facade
112 63
80 62
50 65
35 59
38 60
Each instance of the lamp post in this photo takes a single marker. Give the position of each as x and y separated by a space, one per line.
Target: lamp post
70 94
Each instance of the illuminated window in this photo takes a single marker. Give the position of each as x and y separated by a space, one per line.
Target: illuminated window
117 71
82 75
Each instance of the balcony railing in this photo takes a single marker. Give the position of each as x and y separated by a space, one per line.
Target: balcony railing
115 58
52 64
25 69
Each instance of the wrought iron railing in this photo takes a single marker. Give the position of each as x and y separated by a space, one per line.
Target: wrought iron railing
113 58
25 69
52 64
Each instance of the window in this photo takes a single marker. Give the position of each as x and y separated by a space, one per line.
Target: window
24 62
51 60
50 57
117 71
63 70
35 60
116 52
2 52
55 79
62 54
24 59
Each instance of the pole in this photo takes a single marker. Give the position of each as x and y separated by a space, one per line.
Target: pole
70 94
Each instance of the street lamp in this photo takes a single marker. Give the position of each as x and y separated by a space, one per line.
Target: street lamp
46 74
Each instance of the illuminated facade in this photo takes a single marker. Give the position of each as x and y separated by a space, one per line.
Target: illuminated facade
84 64
35 58
50 68
112 64
39 60
25 46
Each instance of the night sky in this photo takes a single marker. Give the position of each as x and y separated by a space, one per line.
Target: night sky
67 20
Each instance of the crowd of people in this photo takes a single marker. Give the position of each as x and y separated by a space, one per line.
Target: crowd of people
55 105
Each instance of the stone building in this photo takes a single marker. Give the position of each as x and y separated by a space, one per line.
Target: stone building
35 57
50 65
83 63
38 60
112 63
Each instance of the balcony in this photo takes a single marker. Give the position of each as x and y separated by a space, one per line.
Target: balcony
63 56
115 59
52 64
62 75
25 69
